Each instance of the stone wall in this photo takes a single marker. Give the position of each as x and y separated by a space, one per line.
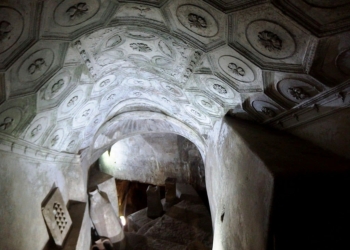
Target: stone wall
24 184
151 158
248 164
330 132
239 190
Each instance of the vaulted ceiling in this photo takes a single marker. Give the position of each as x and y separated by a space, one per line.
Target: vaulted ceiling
86 73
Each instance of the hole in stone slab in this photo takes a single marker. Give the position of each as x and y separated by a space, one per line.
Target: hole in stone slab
222 216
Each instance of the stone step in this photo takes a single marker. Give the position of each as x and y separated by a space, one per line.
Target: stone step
147 226
184 223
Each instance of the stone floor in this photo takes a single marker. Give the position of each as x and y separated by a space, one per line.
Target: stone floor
185 225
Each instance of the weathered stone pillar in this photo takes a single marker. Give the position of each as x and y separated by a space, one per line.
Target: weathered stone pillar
154 206
170 191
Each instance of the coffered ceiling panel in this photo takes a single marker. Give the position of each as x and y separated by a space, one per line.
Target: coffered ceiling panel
321 17
332 61
199 22
18 29
79 74
271 40
35 67
290 89
69 19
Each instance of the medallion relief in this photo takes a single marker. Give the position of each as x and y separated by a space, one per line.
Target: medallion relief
297 90
36 129
267 109
114 41
197 114
70 13
236 69
174 90
270 39
71 145
56 87
141 47
85 114
298 93
11 27
111 97
197 20
36 65
54 140
219 89
209 106
5 29
206 104
73 101
9 119
77 11
343 62
6 123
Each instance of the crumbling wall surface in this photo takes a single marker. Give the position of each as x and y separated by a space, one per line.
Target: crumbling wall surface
24 184
239 189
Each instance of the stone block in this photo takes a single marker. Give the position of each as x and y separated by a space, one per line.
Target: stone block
170 190
154 206
57 217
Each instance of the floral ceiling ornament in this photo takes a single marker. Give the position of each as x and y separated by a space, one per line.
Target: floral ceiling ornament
5 29
197 21
86 113
72 101
236 69
57 86
105 83
36 130
71 145
206 104
165 99
142 47
6 123
270 41
268 111
77 10
36 66
298 93
110 97
196 113
220 89
171 89
55 140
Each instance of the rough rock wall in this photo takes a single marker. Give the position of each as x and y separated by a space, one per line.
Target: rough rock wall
24 184
239 190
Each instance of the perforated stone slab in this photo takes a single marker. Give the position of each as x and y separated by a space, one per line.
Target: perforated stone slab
57 217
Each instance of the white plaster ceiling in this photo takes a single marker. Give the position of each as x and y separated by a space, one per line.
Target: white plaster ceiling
84 73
